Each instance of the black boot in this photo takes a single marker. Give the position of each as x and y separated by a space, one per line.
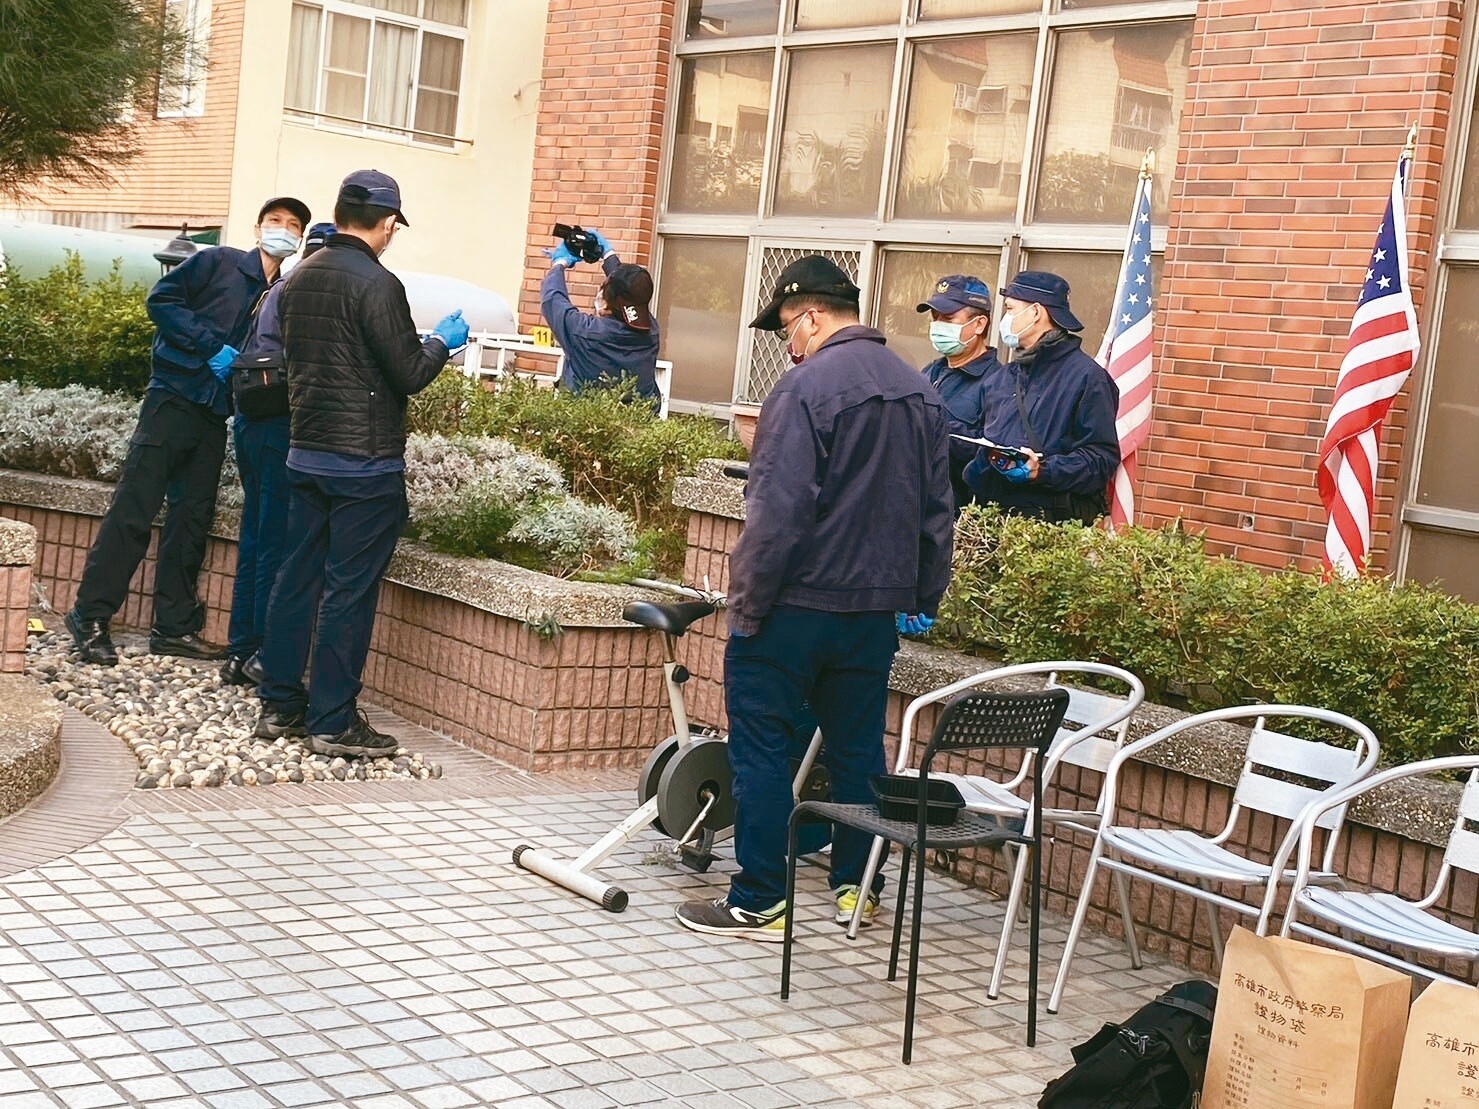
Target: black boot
189 645
93 642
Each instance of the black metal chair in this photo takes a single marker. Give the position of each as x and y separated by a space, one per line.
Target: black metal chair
972 721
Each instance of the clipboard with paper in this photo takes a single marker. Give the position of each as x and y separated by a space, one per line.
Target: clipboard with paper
1016 454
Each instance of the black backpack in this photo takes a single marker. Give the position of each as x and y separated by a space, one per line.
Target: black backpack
1155 1060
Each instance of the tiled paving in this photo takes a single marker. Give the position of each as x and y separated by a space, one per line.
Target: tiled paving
372 945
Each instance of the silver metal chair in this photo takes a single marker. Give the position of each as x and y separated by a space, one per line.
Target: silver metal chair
1100 723
1275 768
1382 917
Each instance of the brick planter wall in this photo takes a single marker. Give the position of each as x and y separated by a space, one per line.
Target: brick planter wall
589 697
17 553
1378 846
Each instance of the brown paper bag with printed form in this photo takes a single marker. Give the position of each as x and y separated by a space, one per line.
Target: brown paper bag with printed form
1304 1027
1440 1058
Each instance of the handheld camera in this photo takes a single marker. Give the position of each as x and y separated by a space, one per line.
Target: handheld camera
581 242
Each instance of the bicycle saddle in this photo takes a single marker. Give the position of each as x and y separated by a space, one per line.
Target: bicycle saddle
673 619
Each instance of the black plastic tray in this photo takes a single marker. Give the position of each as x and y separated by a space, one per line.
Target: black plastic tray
898 799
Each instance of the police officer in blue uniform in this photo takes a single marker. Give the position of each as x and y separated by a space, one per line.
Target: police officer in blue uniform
960 320
202 310
617 342
1055 403
848 530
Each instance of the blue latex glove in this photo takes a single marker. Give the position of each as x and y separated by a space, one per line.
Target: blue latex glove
561 255
601 241
452 330
220 362
1015 472
917 624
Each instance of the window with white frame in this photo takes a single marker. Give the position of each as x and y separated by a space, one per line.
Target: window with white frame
392 67
182 88
919 137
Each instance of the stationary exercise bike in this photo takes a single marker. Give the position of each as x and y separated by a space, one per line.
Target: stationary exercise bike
685 788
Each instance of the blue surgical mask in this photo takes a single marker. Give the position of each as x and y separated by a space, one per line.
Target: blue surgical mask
1009 333
279 242
945 338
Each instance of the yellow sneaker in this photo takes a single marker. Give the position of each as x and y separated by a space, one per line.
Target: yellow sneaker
847 902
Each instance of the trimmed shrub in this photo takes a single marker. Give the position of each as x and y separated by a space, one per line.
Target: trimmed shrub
1210 631
610 452
60 329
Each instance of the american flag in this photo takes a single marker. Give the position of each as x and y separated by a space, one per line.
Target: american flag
1379 355
1125 353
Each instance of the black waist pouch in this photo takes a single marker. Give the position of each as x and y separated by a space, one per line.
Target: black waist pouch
259 386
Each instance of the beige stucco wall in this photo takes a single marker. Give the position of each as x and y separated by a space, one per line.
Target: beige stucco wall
468 208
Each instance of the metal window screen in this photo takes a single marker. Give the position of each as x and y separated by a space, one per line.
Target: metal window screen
768 359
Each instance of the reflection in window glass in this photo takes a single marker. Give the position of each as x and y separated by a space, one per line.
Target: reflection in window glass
723 106
817 14
908 279
1468 193
952 9
699 296
1447 559
1091 279
711 19
966 127
832 138
1447 476
1116 92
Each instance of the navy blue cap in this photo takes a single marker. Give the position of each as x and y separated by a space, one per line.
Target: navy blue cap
317 236
370 186
1047 289
959 290
292 204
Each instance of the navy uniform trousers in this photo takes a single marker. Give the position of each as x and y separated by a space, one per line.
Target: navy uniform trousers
839 663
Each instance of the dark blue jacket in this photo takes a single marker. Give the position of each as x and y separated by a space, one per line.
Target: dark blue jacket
264 335
1072 403
961 390
599 350
198 307
848 506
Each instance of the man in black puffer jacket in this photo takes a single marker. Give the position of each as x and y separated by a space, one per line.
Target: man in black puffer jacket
354 357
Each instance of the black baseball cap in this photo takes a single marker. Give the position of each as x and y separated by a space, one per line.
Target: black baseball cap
370 186
959 290
292 204
629 289
1047 289
812 274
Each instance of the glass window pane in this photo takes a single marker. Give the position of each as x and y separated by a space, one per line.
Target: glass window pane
908 278
390 75
303 51
439 79
1445 558
1075 5
1468 192
404 7
1447 476
966 127
347 65
815 14
1091 279
1116 92
709 19
447 11
719 149
952 9
699 297
832 140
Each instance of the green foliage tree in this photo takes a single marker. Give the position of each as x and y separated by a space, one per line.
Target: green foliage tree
69 70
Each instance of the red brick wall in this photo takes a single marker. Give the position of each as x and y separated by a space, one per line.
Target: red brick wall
1294 119
15 603
597 147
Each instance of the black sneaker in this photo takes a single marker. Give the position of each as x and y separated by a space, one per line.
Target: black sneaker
184 646
275 723
93 642
720 918
358 741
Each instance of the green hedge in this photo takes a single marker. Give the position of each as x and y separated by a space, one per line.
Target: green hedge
612 453
1209 631
61 329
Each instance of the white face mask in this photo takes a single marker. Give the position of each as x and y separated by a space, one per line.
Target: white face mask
1009 333
599 305
279 242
